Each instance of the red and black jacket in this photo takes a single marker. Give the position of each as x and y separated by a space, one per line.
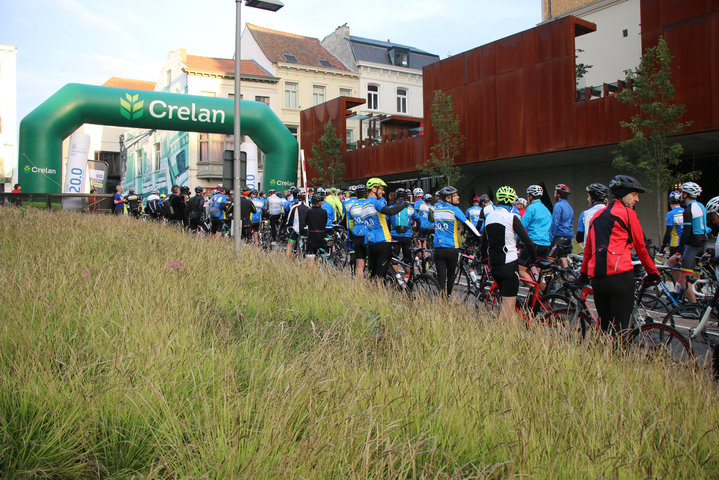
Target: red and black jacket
612 234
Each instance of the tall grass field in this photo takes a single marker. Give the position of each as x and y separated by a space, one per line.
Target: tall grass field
130 349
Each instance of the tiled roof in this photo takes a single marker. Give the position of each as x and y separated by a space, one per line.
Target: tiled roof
308 51
118 82
224 66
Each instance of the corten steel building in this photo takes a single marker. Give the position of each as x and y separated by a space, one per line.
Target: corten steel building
524 121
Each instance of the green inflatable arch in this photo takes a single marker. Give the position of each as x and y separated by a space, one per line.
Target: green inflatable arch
43 130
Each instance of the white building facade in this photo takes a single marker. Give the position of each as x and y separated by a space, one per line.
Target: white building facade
8 114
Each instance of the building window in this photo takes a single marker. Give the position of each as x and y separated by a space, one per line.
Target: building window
399 56
291 95
372 96
292 129
265 100
625 33
156 157
401 100
290 58
318 95
345 92
169 77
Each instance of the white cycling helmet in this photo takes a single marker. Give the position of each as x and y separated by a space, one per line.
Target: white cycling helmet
535 190
713 205
417 192
692 189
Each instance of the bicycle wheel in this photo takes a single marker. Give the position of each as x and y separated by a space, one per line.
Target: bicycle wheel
423 285
658 312
489 301
653 303
659 339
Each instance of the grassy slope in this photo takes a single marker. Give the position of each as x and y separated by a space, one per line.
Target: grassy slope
115 363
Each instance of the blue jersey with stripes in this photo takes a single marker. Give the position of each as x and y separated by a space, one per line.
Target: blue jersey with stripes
327 206
675 219
447 219
354 212
259 205
473 213
421 212
376 228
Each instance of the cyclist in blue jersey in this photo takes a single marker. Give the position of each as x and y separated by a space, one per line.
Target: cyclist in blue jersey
487 208
536 221
694 236
256 217
377 234
402 230
327 206
423 215
473 213
447 219
597 197
357 232
674 223
562 229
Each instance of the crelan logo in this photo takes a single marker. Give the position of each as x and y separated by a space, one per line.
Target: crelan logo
47 171
131 107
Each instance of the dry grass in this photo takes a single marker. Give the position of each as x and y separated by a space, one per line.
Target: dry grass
129 349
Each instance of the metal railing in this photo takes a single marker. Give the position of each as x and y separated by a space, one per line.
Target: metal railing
90 202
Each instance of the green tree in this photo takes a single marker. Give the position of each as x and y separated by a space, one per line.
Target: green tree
450 140
653 154
326 158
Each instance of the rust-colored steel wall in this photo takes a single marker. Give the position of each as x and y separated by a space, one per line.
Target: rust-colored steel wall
517 97
313 121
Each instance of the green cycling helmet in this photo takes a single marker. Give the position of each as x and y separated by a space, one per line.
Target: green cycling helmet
506 195
375 182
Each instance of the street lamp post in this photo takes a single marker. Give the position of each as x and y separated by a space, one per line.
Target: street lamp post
273 6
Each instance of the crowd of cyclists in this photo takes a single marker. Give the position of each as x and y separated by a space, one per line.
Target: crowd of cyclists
375 226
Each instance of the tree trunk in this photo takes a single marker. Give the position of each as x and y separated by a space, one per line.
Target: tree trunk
660 208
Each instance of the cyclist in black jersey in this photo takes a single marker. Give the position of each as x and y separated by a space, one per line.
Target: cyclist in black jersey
315 222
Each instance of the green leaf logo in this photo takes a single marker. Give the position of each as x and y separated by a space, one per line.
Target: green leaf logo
131 107
272 182
27 168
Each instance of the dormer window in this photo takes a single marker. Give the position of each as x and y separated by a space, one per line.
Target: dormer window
325 63
289 58
399 57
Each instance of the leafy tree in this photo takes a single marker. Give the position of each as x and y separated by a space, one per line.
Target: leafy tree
653 155
450 140
326 157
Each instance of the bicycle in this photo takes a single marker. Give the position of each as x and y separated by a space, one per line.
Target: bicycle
532 308
645 332
700 338
418 284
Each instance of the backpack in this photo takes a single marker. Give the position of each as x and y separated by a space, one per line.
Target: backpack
402 221
215 208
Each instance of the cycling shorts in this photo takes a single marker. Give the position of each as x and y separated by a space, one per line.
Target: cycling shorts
255 227
424 233
507 278
561 247
542 252
689 258
293 236
360 247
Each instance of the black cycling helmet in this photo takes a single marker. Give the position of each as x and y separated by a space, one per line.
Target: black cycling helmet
317 198
295 191
484 198
401 193
598 192
446 192
199 189
361 191
621 185
253 192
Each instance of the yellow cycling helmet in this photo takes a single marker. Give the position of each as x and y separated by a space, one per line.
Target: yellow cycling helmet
506 195
375 182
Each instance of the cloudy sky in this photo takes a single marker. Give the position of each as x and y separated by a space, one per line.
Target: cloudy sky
89 41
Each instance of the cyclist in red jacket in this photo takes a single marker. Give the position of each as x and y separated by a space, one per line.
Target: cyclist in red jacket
612 234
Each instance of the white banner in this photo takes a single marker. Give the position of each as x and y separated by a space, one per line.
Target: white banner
76 171
250 150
